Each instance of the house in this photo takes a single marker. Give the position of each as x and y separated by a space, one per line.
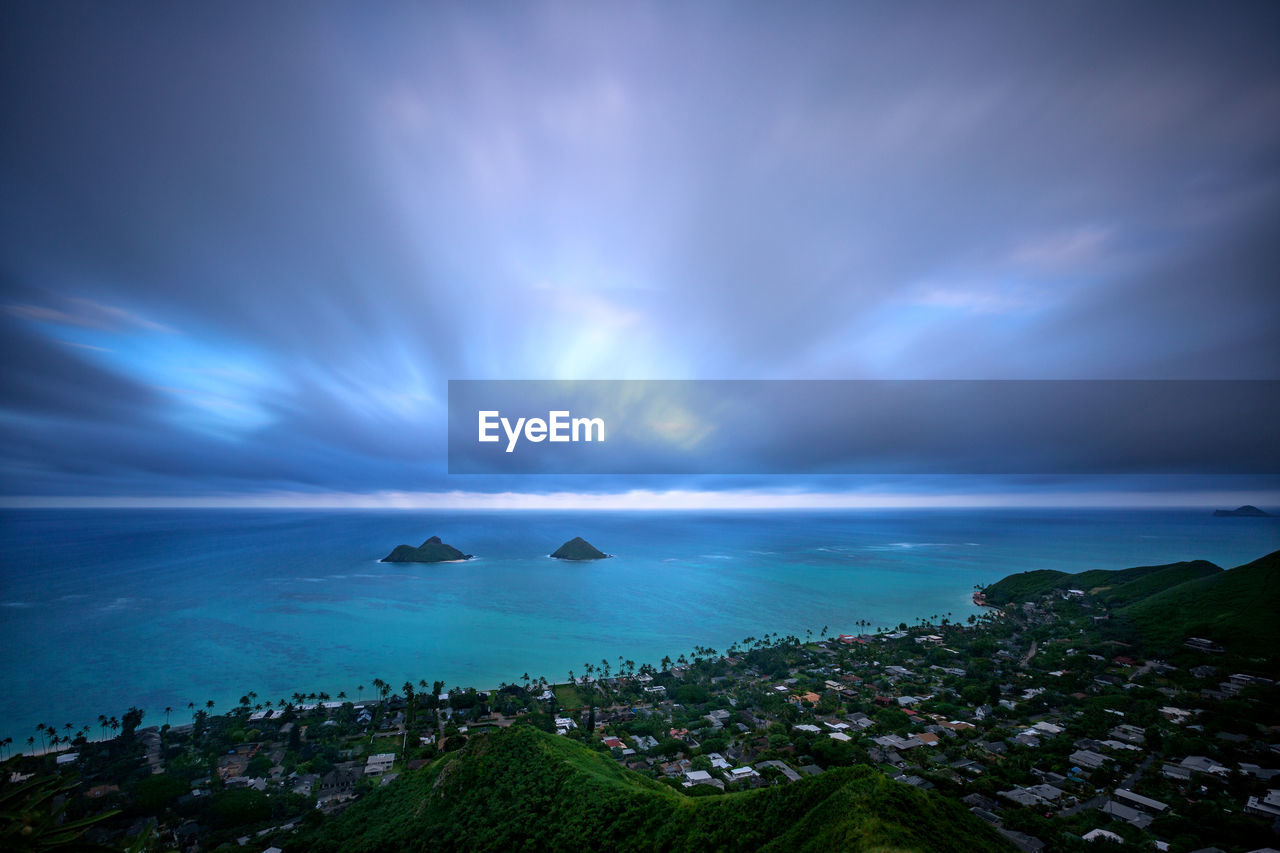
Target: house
644 743
1129 733
840 736
1201 764
791 775
1259 772
697 777
1129 815
1046 792
1021 796
968 765
956 725
1131 799
378 764
1088 758
1268 806
738 774
337 785
1102 835
860 721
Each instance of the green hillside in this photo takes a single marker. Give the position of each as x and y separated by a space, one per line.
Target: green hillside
1026 585
1239 608
523 789
1120 585
1135 589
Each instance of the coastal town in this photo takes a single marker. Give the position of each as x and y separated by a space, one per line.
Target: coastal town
1036 716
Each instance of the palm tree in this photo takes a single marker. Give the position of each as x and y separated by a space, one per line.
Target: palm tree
40 730
209 704
114 725
342 694
167 711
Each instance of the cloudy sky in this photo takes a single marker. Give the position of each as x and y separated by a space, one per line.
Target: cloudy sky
245 246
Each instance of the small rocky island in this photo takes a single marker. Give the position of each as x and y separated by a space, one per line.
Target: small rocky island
431 551
578 548
1245 511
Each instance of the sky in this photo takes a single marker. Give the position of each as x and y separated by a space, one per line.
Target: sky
244 247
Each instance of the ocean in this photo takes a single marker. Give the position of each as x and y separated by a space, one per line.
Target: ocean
101 610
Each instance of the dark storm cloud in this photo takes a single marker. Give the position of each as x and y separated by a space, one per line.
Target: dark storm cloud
245 247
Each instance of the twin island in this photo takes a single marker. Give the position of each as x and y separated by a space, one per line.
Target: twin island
435 551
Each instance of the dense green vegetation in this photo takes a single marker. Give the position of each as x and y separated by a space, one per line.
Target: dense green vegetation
1164 605
522 789
1114 586
1236 608
431 551
578 548
1145 585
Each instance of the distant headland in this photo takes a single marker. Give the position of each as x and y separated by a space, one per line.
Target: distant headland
1245 511
431 551
578 548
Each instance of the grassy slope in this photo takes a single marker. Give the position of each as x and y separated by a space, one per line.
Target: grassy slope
1122 584
522 789
1167 577
1239 608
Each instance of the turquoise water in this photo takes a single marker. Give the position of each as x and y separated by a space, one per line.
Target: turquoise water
102 610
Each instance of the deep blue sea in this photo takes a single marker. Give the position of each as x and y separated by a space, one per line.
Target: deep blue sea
103 609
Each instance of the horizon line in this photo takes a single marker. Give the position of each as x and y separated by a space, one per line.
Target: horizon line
647 499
